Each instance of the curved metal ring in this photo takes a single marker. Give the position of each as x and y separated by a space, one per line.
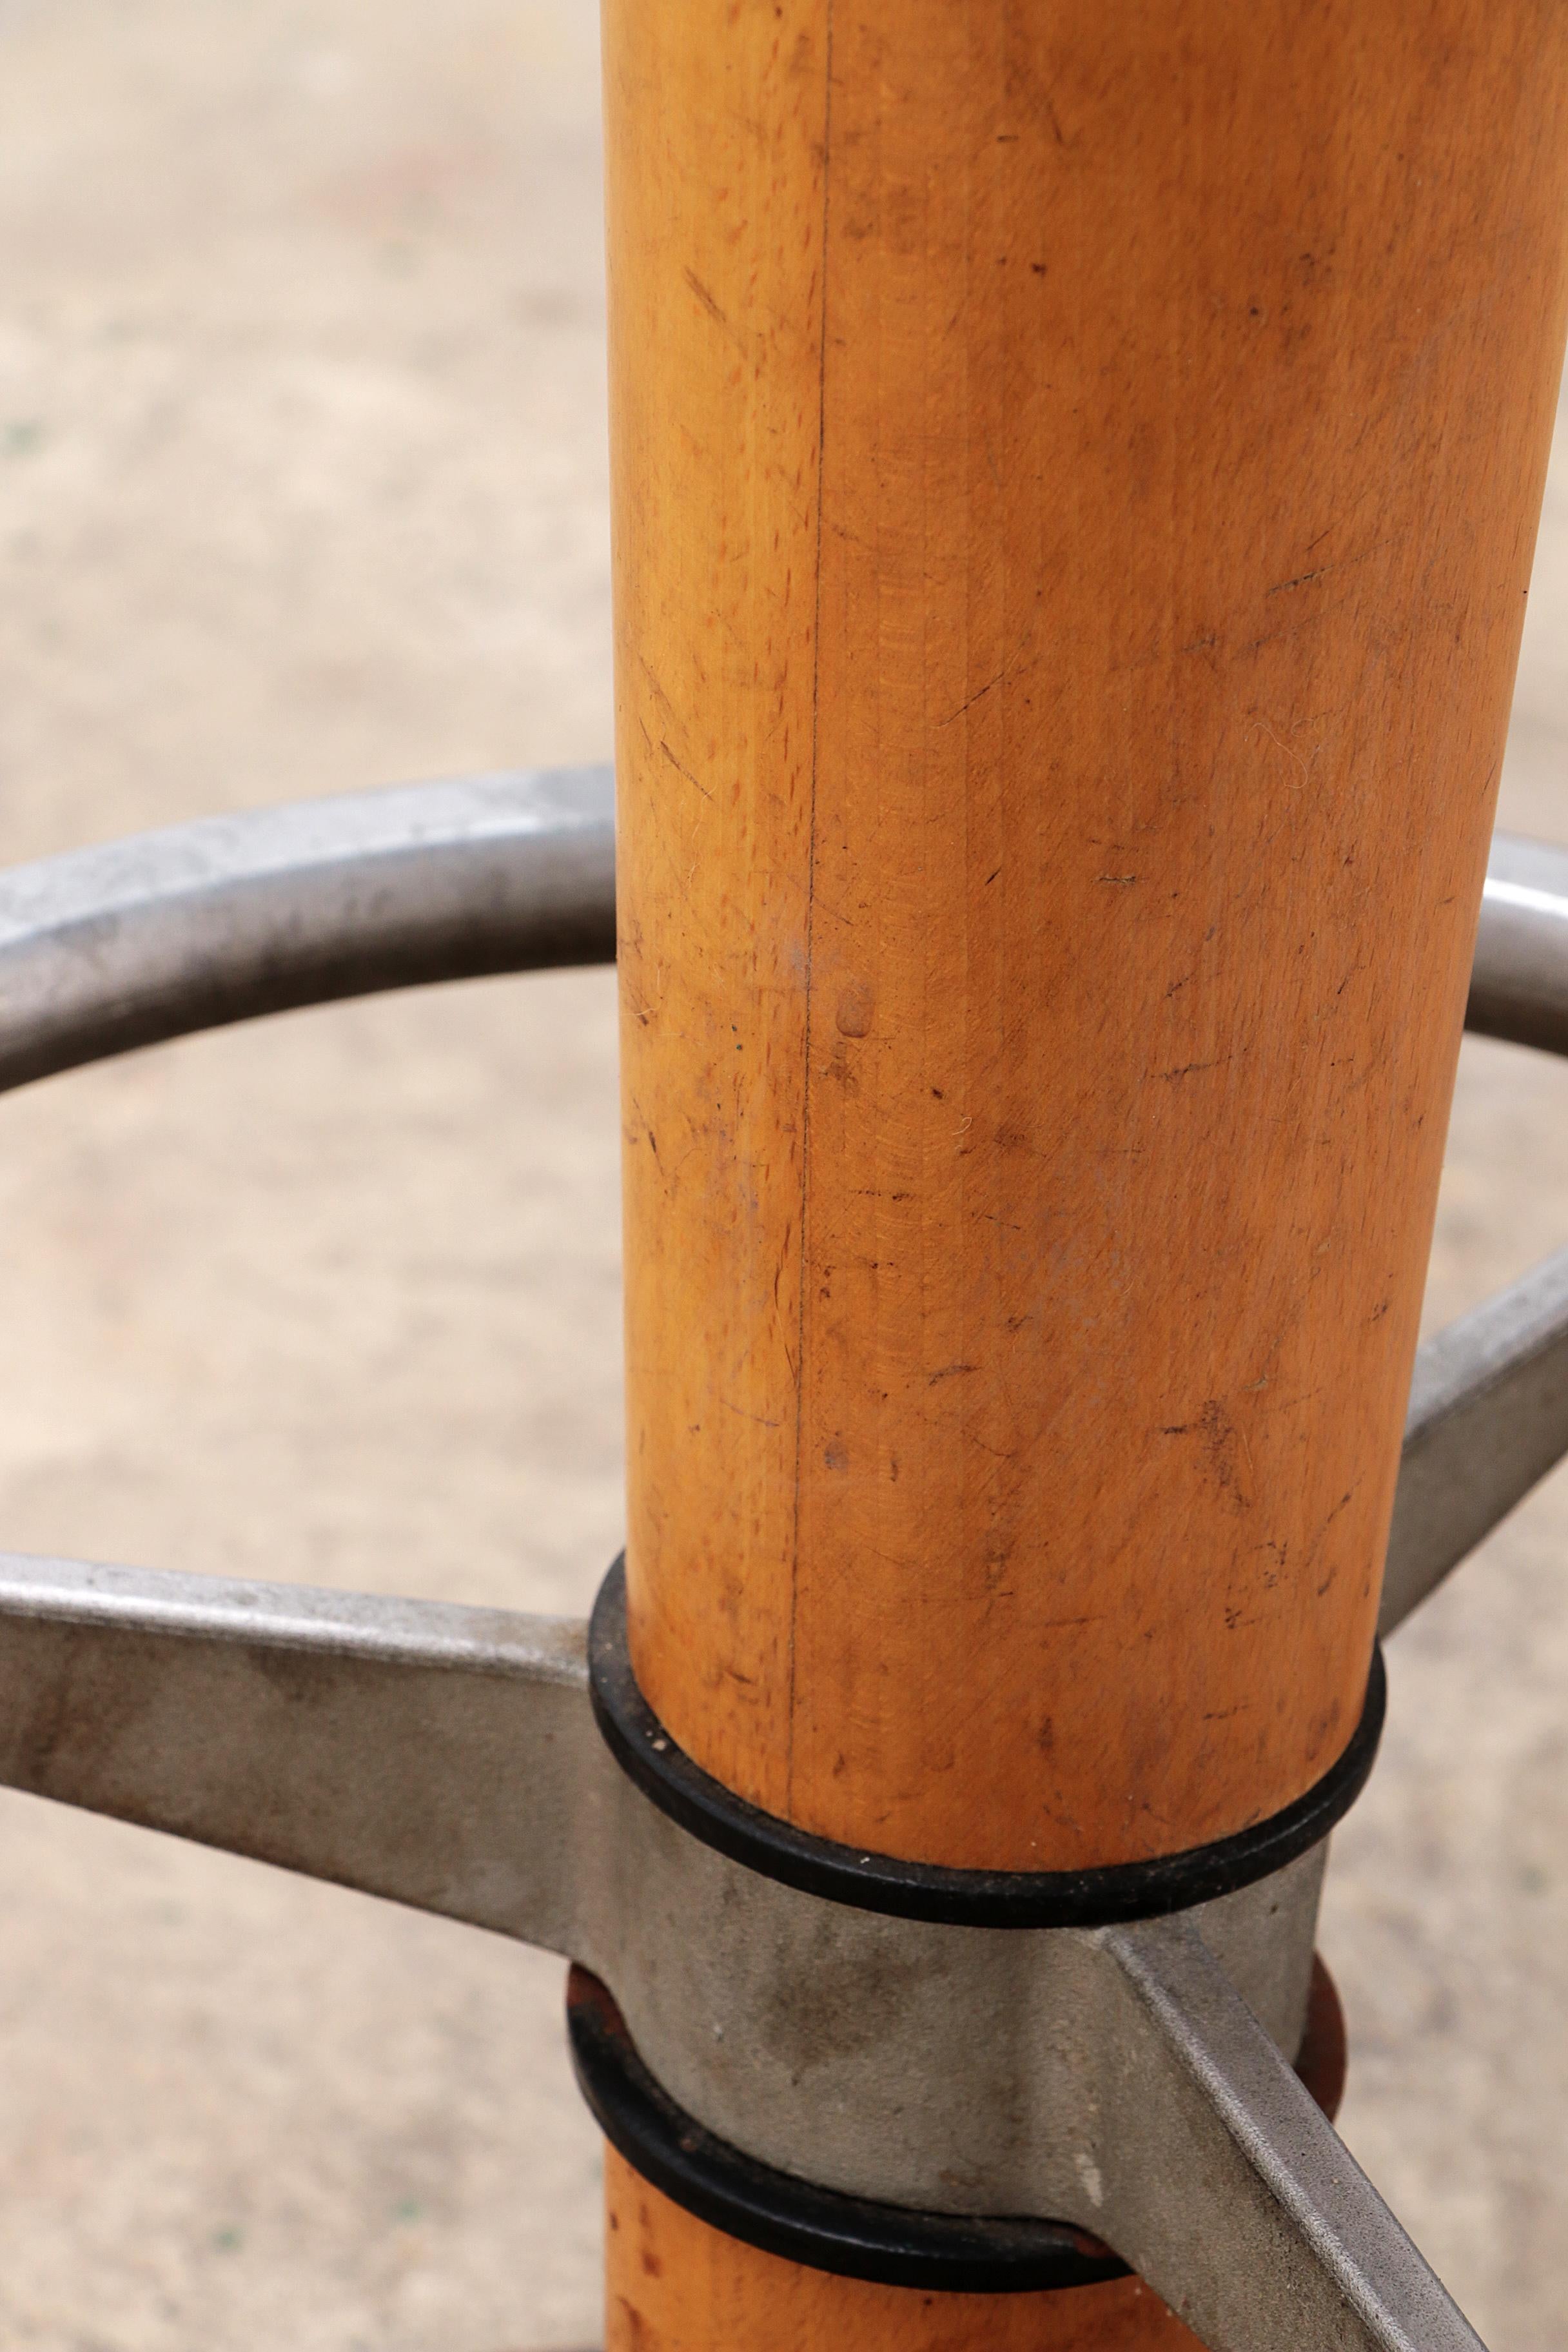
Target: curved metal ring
164 933
1519 983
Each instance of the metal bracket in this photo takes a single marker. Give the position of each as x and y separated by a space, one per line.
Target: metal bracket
448 1757
1130 2079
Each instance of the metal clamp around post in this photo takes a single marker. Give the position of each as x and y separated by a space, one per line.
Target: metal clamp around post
785 2207
850 2235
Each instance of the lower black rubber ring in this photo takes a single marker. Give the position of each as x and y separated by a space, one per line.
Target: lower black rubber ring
915 1890
851 2236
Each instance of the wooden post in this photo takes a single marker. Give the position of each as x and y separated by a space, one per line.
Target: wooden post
1076 473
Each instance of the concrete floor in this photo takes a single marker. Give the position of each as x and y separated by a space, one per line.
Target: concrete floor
301 487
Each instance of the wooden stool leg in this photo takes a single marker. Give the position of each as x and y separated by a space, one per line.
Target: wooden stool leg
672 2285
1076 470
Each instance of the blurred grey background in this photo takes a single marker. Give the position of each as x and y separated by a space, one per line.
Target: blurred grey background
303 488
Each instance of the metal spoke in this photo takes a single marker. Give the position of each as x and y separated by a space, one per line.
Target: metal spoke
441 1756
167 932
1488 1418
1227 2188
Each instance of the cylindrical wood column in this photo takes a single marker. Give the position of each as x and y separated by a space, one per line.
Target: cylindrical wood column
1076 471
675 2285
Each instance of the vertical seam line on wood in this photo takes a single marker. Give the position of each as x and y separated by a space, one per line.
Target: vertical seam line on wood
810 909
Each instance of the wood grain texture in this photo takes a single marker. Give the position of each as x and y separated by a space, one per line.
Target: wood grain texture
1076 471
673 2284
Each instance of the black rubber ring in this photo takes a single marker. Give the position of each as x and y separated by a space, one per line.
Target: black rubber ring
917 1890
851 2236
